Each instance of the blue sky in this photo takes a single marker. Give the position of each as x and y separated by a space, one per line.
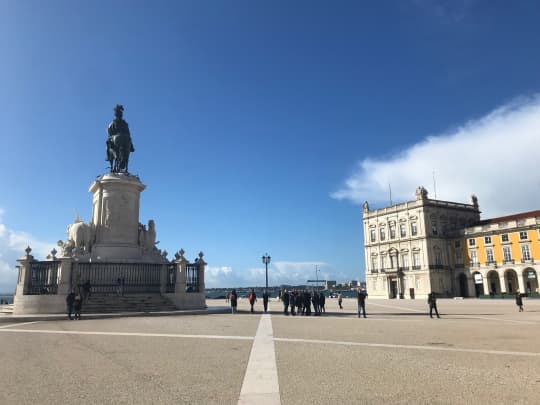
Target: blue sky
262 126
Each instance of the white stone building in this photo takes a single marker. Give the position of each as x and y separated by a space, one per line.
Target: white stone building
407 246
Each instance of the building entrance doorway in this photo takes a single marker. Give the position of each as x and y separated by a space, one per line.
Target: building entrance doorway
463 290
530 281
393 288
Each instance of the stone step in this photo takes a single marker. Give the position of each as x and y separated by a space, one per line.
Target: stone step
110 303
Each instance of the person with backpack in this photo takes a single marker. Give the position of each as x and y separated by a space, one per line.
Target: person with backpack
252 299
234 301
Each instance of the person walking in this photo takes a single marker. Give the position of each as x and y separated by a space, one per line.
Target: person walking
77 306
252 299
70 299
361 296
519 301
340 300
265 300
227 295
432 301
234 302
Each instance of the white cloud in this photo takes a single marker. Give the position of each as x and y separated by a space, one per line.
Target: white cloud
278 273
12 246
495 157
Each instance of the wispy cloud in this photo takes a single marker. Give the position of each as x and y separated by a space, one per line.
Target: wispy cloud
494 157
12 246
454 11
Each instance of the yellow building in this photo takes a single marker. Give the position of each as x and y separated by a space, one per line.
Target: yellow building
498 256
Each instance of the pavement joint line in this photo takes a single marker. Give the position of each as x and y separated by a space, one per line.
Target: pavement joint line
398 307
135 334
18 324
413 347
261 384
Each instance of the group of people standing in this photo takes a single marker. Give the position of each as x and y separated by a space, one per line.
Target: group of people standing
300 302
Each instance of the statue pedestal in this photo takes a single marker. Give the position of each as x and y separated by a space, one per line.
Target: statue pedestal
115 216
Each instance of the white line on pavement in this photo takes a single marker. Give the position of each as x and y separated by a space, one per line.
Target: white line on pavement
414 347
261 385
172 335
18 324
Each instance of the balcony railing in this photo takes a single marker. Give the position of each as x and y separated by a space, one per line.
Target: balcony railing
509 261
527 260
404 268
416 267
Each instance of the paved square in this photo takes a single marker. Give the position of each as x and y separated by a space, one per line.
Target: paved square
480 351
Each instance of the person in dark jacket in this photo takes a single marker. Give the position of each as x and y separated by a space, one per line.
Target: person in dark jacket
70 299
361 296
315 301
299 302
285 299
77 306
432 301
234 302
292 302
86 289
307 302
266 296
519 301
322 301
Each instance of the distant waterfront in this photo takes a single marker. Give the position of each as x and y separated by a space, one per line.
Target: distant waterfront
7 297
243 292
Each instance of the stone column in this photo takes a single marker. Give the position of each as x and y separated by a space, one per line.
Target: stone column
180 287
25 264
201 266
502 282
521 284
64 279
485 282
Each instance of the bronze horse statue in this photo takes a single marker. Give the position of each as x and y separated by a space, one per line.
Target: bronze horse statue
119 144
119 149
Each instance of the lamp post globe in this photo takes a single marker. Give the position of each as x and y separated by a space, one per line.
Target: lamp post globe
266 260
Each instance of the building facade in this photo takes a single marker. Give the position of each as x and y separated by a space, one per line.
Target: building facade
428 245
498 256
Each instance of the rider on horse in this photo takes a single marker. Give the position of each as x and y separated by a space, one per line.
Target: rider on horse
118 127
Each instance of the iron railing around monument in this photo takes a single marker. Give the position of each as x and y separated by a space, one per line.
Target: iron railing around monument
43 278
192 278
171 278
124 278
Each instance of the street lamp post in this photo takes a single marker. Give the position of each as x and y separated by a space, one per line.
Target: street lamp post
266 260
317 275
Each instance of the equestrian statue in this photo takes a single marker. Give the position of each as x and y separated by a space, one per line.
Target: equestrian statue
119 144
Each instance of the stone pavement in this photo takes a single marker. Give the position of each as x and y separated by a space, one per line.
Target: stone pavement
480 351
